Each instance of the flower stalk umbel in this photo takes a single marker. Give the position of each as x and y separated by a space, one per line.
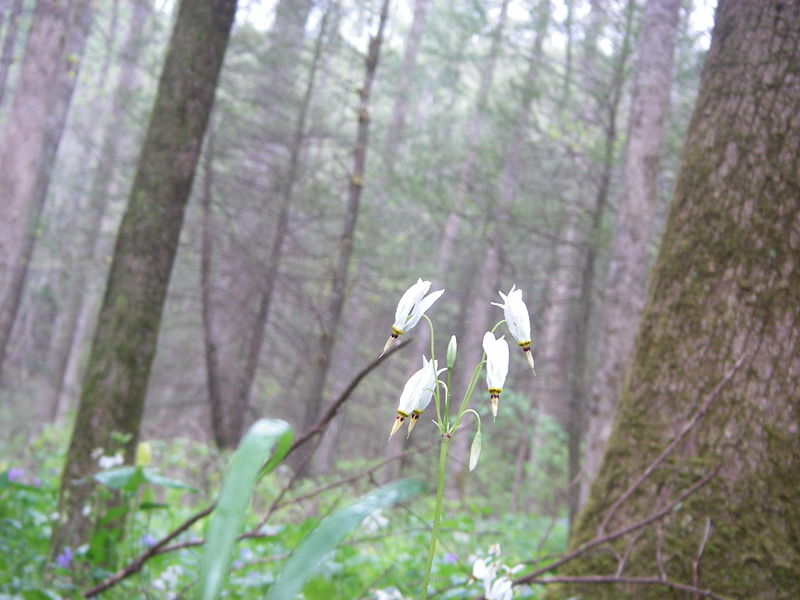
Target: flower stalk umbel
424 386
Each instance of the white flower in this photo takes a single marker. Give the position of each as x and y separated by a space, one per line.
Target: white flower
518 320
496 366
109 462
484 571
375 521
501 590
410 309
388 594
417 394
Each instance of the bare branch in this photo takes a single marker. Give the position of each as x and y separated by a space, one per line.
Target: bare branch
700 549
597 541
612 579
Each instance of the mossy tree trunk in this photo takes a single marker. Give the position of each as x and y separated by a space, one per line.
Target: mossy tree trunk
114 386
725 289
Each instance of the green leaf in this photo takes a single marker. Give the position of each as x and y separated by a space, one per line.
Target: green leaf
234 498
159 479
308 555
122 477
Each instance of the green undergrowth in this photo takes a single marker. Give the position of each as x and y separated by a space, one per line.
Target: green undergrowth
382 559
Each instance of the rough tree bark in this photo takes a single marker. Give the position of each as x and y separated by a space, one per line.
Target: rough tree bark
725 290
624 292
114 386
30 139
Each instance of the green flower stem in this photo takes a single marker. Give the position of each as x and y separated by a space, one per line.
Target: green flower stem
444 447
433 352
468 395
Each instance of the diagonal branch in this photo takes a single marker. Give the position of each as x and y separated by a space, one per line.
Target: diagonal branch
161 546
612 579
599 540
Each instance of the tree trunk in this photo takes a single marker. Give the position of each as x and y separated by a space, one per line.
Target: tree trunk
236 360
9 43
479 309
578 387
216 404
474 129
629 261
321 361
102 179
114 386
30 139
281 226
398 120
716 366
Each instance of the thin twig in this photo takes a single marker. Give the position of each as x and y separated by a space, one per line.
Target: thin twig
612 579
698 556
597 541
624 558
662 571
136 565
706 404
351 478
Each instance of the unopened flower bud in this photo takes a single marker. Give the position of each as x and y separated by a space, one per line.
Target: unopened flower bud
452 350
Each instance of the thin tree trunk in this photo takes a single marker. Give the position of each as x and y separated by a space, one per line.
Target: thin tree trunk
581 333
398 119
569 30
322 358
104 171
30 140
235 369
114 387
282 225
480 310
625 285
219 421
9 42
714 384
474 132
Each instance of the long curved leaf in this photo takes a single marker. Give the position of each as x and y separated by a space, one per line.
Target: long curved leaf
308 555
237 487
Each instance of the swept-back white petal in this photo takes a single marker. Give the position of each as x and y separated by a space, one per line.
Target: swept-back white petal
496 361
411 392
516 315
408 301
421 307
